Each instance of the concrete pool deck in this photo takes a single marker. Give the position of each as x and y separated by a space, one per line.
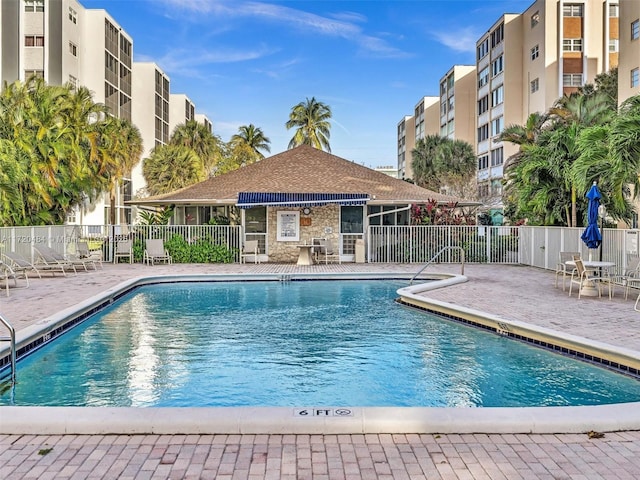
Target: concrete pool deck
511 292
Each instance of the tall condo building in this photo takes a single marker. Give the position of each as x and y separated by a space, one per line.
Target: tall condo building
424 122
151 114
181 110
406 133
629 58
458 94
525 62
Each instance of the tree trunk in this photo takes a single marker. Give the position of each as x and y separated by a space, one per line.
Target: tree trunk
574 213
112 204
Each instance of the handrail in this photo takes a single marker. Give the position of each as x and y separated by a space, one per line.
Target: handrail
443 249
12 348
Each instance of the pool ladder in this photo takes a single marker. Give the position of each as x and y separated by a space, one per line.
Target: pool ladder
442 250
284 278
12 347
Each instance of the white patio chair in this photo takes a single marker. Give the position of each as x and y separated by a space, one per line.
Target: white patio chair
124 249
250 249
155 252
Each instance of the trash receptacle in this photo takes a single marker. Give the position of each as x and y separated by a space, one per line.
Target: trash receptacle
359 250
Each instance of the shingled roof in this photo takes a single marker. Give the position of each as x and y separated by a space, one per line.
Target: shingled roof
302 169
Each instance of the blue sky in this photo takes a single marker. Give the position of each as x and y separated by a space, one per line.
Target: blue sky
371 61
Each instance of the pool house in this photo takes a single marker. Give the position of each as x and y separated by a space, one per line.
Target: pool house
298 196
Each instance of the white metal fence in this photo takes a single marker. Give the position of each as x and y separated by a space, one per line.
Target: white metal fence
419 243
534 246
64 238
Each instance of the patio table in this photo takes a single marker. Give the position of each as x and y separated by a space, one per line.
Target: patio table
305 257
589 289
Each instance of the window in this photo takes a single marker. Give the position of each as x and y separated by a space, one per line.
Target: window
497 157
443 88
572 79
535 19
535 85
33 73
614 10
483 190
443 108
451 103
34 5
73 15
483 132
497 35
572 44
288 226
497 96
73 50
483 162
497 66
635 30
635 77
497 125
535 52
483 77
483 48
573 10
614 45
34 41
73 82
483 104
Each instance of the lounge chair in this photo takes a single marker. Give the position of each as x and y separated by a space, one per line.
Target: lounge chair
19 264
53 261
124 249
7 273
155 252
563 269
250 249
74 259
582 277
83 252
325 251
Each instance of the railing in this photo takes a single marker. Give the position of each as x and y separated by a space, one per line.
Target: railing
12 346
444 249
102 238
525 245
419 243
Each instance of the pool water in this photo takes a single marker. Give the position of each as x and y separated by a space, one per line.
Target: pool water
312 343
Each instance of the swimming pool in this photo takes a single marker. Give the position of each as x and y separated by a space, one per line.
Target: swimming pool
294 344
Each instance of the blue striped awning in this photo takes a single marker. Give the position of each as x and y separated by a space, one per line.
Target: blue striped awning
254 199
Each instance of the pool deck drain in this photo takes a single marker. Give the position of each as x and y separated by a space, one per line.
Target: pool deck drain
517 293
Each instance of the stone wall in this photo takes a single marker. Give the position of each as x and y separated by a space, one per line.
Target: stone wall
324 224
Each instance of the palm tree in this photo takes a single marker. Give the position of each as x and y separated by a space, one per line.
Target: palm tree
197 136
526 134
121 149
572 114
610 154
253 137
171 167
440 161
311 120
425 158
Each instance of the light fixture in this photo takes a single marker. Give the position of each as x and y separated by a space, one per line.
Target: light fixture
306 211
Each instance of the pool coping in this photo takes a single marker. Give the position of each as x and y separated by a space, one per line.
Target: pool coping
319 419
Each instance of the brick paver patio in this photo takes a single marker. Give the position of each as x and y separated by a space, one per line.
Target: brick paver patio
518 293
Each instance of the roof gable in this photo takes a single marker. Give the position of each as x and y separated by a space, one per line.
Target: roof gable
303 169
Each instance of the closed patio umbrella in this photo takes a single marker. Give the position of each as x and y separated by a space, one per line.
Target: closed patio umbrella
591 235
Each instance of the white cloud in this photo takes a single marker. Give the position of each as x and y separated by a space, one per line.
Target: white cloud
343 25
187 62
461 40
